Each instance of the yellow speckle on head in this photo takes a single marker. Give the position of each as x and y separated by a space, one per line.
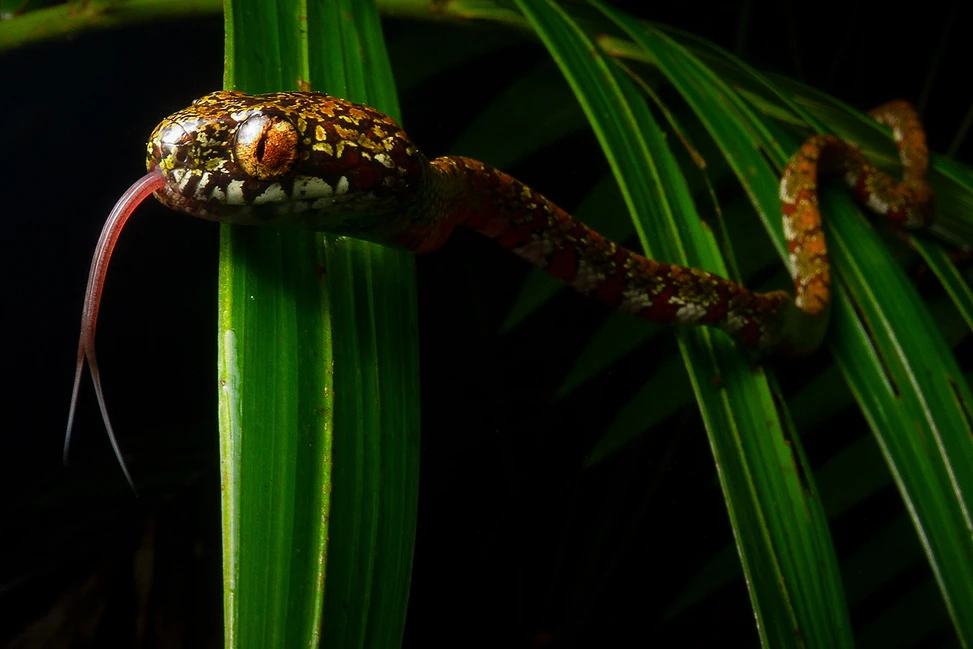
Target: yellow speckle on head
356 114
342 144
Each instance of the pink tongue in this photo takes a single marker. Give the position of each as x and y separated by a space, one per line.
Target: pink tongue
132 197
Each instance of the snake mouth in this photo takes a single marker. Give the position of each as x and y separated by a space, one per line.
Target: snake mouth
191 191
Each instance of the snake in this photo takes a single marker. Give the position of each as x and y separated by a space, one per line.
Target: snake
315 161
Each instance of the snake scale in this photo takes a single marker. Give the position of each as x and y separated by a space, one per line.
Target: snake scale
315 161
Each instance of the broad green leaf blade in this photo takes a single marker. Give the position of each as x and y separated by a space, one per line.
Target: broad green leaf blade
949 276
913 394
319 411
389 283
917 379
783 554
925 434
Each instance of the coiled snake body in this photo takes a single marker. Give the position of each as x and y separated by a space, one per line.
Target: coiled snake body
319 162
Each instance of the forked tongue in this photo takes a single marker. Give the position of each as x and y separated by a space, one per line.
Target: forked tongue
131 199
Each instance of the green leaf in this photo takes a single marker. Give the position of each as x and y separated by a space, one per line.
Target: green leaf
780 528
893 357
318 367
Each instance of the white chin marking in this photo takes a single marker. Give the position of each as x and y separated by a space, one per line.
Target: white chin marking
311 187
202 185
183 180
273 194
234 193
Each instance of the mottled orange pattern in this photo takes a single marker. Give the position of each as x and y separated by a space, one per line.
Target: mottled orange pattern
316 161
905 204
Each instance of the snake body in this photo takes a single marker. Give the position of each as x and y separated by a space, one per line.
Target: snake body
315 161
324 163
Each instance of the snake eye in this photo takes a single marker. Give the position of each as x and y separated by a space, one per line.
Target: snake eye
266 147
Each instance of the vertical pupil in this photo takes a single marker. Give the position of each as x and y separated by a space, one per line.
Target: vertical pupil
261 145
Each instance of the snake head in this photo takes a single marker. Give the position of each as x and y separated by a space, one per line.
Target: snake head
305 159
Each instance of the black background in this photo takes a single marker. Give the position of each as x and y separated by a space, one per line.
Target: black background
502 530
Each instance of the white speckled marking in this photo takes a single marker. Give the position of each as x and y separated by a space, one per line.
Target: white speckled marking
234 193
734 323
789 232
273 194
202 186
535 251
311 186
587 278
876 203
384 160
342 186
787 193
690 313
634 301
185 180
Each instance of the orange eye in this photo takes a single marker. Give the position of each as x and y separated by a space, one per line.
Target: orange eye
266 147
